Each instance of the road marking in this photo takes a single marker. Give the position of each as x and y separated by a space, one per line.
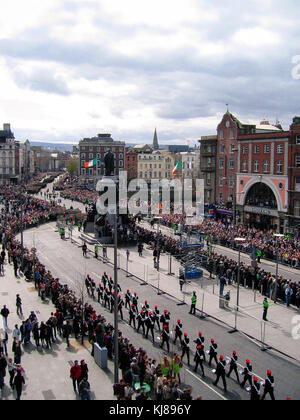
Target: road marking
196 377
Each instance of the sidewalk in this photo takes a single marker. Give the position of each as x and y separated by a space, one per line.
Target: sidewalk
47 371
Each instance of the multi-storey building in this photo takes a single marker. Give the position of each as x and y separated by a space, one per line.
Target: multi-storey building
131 163
190 164
9 157
96 148
294 176
208 152
156 165
262 180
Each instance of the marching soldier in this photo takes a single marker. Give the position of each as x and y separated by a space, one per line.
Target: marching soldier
110 284
149 322
100 290
135 301
120 305
156 314
112 302
199 359
199 340
165 318
104 279
233 366
88 283
178 332
146 307
165 337
247 373
140 319
132 315
186 348
221 373
269 386
127 299
107 298
93 288
255 390
213 352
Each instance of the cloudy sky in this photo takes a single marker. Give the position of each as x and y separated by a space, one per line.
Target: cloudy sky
72 69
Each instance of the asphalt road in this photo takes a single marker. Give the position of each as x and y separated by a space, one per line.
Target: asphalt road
65 261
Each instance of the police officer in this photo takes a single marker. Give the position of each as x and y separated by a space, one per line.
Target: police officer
247 373
193 304
199 359
221 372
141 319
213 352
233 366
269 386
165 337
186 348
255 390
127 299
178 332
132 315
149 322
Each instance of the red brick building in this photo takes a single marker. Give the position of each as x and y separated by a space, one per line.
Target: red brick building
294 175
131 163
262 180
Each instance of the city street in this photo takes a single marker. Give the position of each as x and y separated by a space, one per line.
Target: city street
65 261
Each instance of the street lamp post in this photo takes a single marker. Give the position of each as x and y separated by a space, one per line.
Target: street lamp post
278 236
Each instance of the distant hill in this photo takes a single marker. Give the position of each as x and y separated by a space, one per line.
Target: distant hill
62 147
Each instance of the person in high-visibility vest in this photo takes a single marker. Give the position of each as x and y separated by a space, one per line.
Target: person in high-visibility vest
193 305
165 366
96 251
259 254
176 366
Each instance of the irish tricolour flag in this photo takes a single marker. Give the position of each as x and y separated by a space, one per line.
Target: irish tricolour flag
176 169
91 163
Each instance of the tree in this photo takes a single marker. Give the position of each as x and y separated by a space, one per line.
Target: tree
72 167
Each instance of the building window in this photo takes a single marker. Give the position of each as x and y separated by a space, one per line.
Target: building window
297 161
231 163
245 150
266 166
220 197
297 208
231 133
120 155
82 155
256 150
232 148
221 181
279 167
297 184
256 166
221 166
221 134
280 148
244 166
266 149
231 181
83 171
222 148
208 178
298 139
91 156
120 163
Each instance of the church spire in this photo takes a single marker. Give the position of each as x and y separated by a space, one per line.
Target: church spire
155 141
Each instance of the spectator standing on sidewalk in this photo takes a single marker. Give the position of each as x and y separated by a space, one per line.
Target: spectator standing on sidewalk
85 390
18 383
19 305
75 373
5 313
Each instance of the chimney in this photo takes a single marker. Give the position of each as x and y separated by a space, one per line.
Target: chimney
6 127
